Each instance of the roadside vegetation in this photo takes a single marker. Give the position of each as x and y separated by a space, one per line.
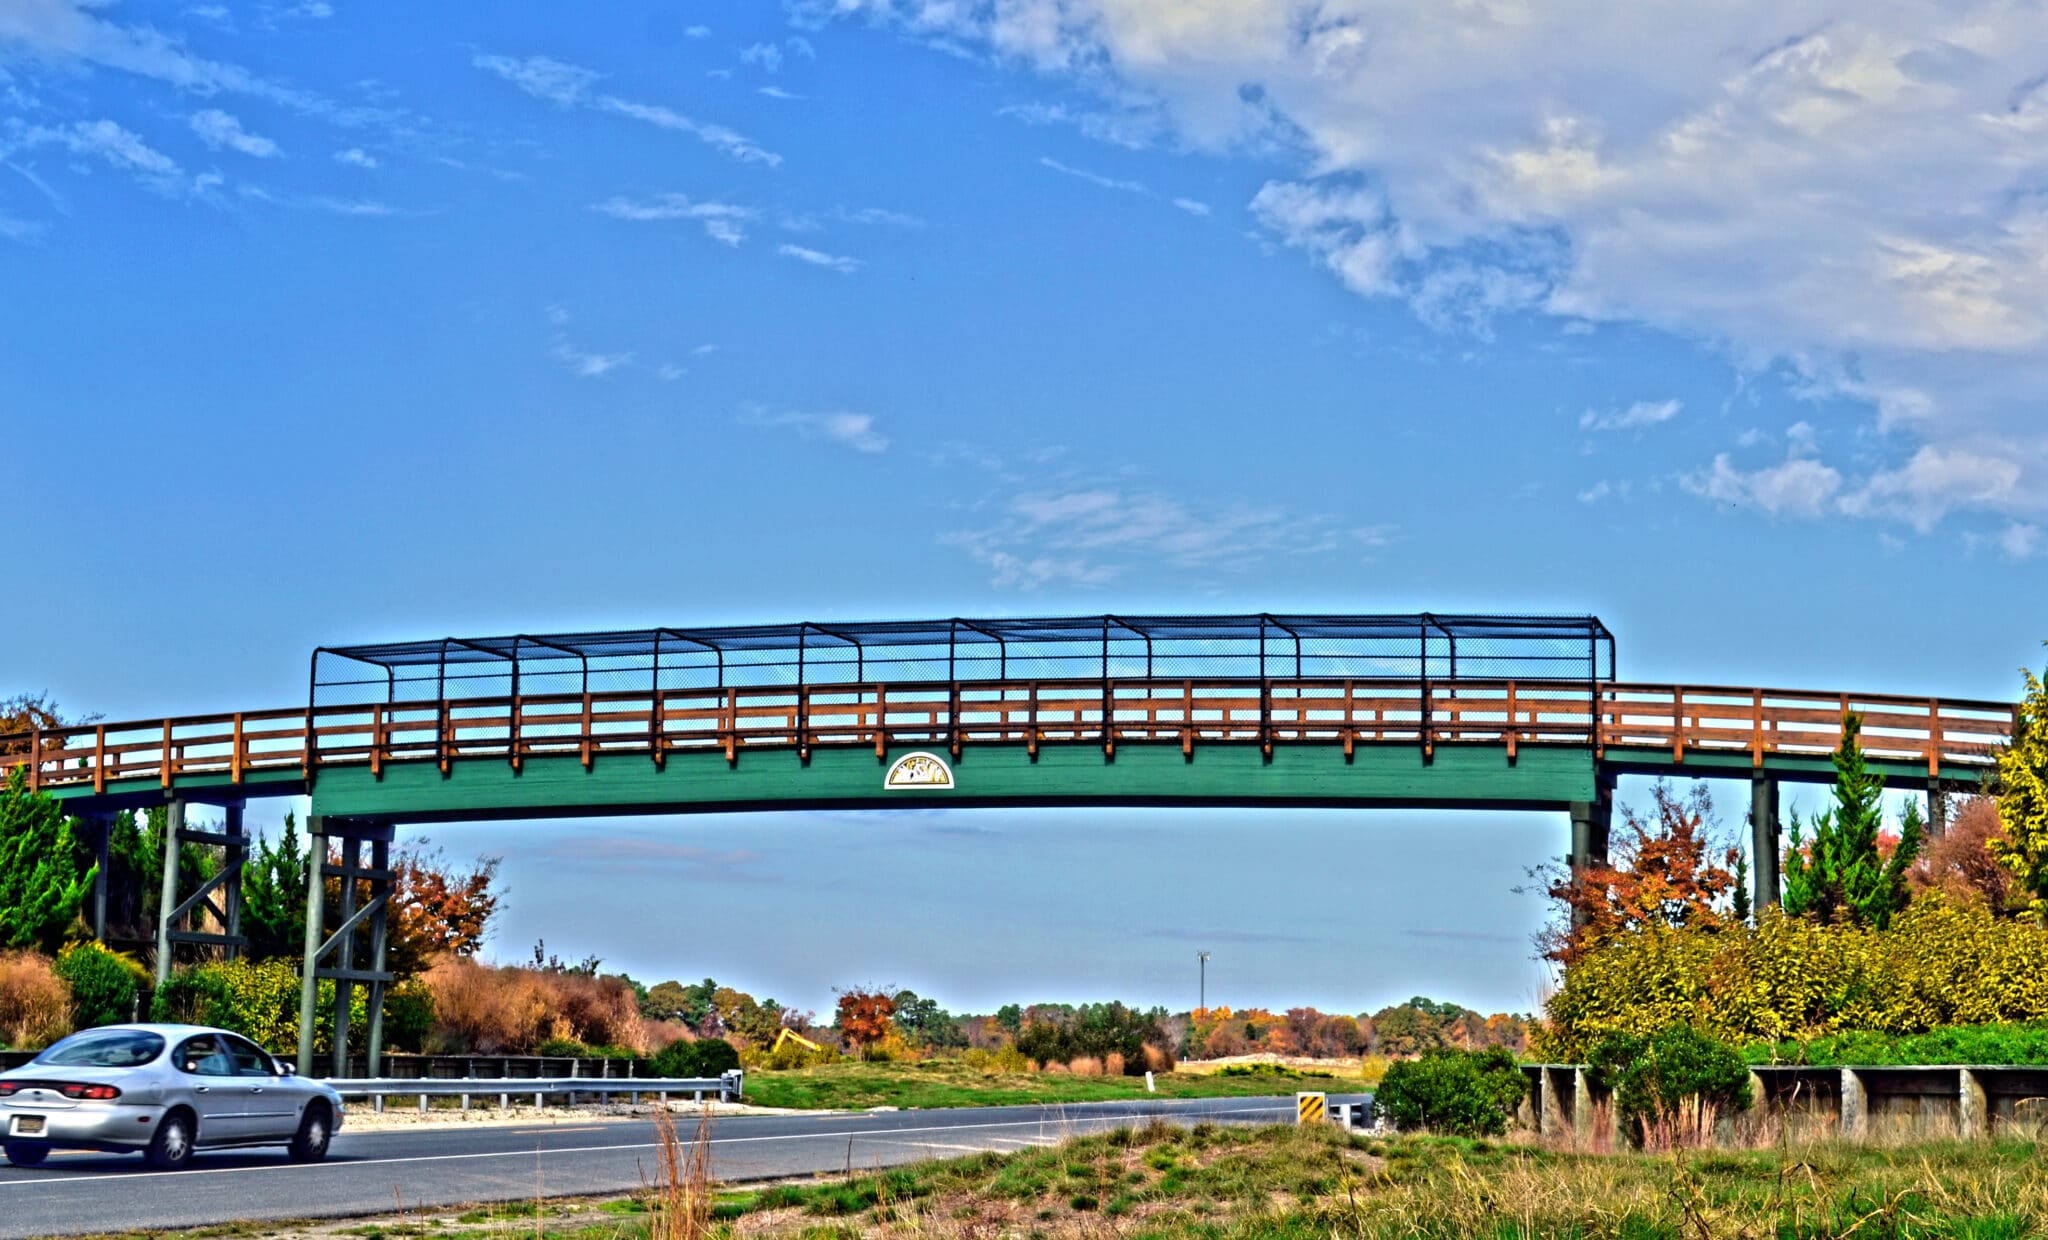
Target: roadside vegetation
1223 1183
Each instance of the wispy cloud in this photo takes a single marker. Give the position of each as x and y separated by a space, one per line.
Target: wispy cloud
818 258
355 157
1088 535
108 142
776 92
1200 210
722 221
877 215
219 130
765 56
1093 178
852 430
1638 415
572 86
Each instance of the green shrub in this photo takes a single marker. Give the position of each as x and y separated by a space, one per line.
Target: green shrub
1466 1093
1940 964
104 984
563 1048
260 1001
408 1016
1959 1044
704 1057
1675 1081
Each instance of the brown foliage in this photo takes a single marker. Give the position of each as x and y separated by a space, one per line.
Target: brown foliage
437 907
1663 874
1959 863
512 1009
35 1004
865 1017
25 713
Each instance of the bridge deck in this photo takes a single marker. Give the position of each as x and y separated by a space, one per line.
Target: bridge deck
1649 728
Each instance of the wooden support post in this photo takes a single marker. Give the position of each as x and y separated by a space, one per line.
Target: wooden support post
376 740
166 764
657 739
1933 739
1677 724
586 730
512 729
1514 731
1756 729
99 758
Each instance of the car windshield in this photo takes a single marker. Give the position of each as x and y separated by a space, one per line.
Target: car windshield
104 1048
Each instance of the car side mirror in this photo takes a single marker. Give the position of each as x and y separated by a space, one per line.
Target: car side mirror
285 1069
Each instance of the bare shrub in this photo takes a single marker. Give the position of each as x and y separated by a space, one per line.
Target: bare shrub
510 1010
1158 1058
35 1004
1085 1065
1112 1064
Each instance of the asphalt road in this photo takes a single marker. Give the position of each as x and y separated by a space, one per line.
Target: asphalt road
374 1172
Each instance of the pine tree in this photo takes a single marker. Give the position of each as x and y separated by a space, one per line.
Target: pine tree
1844 874
42 885
274 895
1739 902
2023 797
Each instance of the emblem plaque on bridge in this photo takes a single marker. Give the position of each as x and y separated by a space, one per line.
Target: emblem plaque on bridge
918 772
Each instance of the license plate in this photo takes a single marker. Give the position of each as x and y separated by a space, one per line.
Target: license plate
29 1125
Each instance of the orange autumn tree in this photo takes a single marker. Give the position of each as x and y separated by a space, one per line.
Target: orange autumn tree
1664 869
865 1017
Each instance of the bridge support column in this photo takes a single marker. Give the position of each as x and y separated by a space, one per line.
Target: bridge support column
100 832
227 882
1763 841
363 898
1592 823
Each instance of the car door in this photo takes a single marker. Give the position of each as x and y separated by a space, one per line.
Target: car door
207 1074
269 1110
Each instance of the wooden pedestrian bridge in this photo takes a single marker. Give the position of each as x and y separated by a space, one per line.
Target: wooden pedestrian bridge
1426 710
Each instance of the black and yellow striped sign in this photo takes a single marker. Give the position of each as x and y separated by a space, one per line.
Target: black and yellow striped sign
1311 1108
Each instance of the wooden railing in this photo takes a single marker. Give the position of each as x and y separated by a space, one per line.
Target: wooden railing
1648 722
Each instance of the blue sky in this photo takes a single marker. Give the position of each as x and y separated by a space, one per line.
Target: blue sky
333 322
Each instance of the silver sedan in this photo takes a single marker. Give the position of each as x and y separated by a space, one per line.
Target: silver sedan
162 1091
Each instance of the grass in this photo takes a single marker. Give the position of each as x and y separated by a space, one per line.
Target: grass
1222 1183
949 1083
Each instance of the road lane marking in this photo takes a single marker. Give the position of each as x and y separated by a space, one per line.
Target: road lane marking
543 1132
716 1141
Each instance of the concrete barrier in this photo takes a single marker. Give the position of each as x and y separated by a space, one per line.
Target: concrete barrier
1855 1103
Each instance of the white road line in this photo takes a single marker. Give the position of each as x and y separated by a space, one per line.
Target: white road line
130 1177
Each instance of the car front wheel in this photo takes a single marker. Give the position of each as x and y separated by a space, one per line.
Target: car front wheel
27 1153
171 1147
315 1131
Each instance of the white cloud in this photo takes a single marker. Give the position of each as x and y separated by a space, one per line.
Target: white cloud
1093 178
878 215
585 364
764 56
2021 541
1798 487
852 430
698 32
1089 534
721 221
108 142
572 86
1199 210
355 157
818 258
776 92
1933 482
217 130
1855 193
1640 414
12 229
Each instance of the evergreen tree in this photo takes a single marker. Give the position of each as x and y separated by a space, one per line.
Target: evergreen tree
1739 901
1842 874
2023 798
274 895
41 883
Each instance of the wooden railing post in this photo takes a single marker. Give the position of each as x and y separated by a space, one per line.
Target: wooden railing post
512 728
1933 738
236 760
586 729
1756 724
1514 731
35 759
1677 723
99 758
657 731
167 764
377 740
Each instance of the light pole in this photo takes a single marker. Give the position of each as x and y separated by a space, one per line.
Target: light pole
1202 960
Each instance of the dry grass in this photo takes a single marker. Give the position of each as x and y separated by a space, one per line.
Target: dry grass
512 1009
35 1004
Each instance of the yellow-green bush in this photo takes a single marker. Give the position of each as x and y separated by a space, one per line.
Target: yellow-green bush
1940 964
260 1001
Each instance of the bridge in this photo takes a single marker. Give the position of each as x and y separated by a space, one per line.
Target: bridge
1522 712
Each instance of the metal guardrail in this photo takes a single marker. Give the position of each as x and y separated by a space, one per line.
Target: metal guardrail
726 1088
